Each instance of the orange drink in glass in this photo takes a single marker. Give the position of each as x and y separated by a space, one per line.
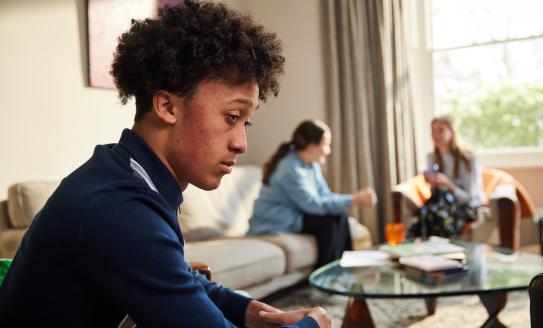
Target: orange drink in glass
394 233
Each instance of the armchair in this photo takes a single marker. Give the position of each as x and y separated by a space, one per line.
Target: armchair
508 202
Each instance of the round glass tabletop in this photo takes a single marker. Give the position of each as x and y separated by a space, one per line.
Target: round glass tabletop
490 269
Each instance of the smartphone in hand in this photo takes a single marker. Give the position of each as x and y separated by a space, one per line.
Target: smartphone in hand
430 173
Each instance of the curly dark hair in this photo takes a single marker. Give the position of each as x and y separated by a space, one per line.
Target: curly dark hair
190 43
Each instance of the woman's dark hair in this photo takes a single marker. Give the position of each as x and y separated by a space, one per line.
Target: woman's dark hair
191 43
308 132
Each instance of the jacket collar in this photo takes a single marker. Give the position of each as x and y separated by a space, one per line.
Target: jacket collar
161 177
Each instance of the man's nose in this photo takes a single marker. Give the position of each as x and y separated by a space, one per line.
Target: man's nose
238 142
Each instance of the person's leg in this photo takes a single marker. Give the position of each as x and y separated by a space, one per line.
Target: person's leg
344 234
323 228
331 233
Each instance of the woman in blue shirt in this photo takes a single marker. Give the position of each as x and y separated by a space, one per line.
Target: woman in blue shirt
296 198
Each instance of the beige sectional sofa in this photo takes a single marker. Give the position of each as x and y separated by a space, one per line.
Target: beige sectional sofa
213 224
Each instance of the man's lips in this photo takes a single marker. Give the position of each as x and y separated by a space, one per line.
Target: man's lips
229 162
227 165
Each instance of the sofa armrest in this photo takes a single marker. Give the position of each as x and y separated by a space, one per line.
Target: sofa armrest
201 268
535 290
508 191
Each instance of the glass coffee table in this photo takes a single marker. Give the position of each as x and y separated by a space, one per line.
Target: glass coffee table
492 273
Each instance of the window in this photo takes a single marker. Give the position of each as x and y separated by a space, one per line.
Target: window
487 58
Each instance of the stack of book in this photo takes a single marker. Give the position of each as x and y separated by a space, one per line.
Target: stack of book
366 258
429 247
432 269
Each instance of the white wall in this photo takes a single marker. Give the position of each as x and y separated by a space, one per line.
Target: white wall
49 120
302 96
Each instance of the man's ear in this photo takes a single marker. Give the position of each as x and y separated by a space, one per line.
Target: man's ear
165 106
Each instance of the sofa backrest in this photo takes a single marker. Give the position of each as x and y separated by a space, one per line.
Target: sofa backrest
26 199
224 211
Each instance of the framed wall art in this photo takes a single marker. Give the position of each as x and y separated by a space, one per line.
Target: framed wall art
107 20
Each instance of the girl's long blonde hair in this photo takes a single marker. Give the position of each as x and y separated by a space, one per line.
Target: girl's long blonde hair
459 153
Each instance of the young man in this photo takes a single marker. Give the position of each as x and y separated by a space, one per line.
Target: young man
107 243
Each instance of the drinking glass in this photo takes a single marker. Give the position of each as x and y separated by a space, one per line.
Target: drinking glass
394 233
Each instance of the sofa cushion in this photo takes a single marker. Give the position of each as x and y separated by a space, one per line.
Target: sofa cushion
224 211
300 249
238 263
26 199
248 181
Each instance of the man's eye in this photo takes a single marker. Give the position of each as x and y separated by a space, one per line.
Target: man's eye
248 125
232 118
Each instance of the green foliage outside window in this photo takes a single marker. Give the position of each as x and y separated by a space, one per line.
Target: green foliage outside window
508 116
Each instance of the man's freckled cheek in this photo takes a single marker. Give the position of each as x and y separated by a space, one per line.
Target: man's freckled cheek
198 149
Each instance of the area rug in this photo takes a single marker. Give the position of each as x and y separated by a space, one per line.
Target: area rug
456 311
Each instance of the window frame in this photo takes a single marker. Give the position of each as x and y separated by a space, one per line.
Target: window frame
528 157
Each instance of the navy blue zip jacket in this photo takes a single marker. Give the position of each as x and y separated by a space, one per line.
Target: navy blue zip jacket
106 244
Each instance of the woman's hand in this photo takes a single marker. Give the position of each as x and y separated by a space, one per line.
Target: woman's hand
441 179
430 177
365 197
